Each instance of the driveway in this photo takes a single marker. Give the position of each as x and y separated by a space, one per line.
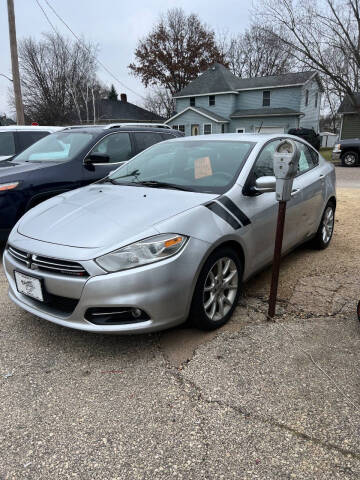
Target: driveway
254 400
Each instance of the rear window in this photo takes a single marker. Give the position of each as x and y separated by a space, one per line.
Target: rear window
146 139
7 144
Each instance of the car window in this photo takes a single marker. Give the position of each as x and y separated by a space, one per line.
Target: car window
264 165
201 166
117 146
146 139
306 160
7 144
25 139
57 147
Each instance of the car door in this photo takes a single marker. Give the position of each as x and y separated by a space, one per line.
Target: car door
118 147
310 184
262 209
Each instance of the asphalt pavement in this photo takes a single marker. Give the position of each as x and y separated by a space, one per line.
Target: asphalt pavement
254 400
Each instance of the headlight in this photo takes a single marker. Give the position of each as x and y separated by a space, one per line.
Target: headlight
8 186
337 147
146 251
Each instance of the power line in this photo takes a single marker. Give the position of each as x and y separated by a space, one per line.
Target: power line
88 50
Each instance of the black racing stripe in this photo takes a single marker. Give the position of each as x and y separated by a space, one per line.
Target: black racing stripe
230 205
221 212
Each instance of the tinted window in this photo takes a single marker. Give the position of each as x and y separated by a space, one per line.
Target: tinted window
146 139
117 146
264 165
7 144
202 166
25 139
57 147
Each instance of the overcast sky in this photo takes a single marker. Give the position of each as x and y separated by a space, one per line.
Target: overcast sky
115 25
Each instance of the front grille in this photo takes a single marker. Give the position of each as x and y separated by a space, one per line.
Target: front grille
37 262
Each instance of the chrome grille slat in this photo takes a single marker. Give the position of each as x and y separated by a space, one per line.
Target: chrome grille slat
44 263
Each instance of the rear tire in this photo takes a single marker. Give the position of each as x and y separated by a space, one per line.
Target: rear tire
325 231
349 159
217 290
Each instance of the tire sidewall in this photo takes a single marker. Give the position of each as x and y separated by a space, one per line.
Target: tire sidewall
321 244
355 159
197 315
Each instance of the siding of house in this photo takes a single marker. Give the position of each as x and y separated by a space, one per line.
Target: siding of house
350 126
224 104
192 118
252 125
312 113
289 97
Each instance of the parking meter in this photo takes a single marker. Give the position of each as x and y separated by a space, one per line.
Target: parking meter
286 161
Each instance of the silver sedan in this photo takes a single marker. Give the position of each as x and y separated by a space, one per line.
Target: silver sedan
167 237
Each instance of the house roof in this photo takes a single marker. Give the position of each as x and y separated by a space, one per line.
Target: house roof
218 79
347 105
202 111
125 111
265 112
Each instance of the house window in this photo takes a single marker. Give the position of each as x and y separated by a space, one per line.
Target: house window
182 128
316 99
192 101
306 98
211 100
240 130
207 128
175 127
266 98
223 128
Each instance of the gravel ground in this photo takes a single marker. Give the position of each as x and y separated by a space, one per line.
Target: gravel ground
246 402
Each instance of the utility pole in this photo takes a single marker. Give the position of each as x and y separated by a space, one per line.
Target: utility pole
15 64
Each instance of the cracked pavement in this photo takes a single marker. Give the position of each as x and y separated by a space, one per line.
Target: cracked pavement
249 401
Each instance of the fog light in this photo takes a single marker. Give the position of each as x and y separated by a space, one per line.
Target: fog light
136 312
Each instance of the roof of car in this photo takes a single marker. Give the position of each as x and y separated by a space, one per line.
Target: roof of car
240 137
30 128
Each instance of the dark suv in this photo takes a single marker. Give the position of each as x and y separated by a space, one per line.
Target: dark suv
348 151
307 134
66 160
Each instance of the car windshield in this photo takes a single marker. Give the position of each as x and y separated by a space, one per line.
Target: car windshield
201 166
57 147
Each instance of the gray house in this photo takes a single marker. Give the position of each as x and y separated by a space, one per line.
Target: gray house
219 102
350 117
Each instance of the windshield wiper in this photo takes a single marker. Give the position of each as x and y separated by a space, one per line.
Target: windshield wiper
157 184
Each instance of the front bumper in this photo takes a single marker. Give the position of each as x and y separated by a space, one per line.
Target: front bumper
163 290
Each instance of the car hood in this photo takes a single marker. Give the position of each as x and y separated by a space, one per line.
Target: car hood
11 168
105 215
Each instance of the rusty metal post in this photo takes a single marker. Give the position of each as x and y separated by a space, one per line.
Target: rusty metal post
277 258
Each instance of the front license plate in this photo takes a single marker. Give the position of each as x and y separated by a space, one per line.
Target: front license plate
29 286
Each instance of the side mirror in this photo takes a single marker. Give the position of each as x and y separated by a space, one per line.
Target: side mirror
265 184
97 158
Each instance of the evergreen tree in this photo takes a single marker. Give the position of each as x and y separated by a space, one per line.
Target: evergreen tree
113 95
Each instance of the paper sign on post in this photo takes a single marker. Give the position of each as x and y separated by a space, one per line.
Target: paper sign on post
203 167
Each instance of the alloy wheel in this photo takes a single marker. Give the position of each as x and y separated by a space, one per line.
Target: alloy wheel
327 225
349 159
220 288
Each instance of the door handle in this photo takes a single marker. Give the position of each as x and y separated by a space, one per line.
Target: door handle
295 191
322 175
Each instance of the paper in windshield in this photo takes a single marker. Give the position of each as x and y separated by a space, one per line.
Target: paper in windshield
202 167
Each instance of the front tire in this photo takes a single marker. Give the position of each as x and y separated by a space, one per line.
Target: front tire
217 290
349 159
325 231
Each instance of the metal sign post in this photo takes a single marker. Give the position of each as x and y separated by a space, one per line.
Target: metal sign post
286 161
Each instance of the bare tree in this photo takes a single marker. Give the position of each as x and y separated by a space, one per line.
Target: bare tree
257 53
160 101
58 80
324 35
175 52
